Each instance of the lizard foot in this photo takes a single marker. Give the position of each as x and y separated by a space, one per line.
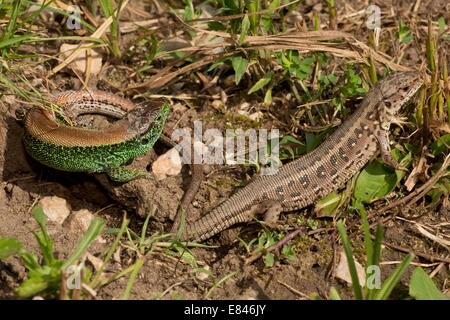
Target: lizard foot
123 175
272 210
390 161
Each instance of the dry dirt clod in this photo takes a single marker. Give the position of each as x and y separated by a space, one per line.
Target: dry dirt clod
78 221
55 208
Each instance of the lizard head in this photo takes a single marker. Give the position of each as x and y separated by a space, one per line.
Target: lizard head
147 117
398 88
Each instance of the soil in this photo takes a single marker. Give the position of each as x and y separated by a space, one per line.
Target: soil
24 182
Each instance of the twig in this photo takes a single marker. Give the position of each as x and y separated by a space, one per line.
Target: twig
419 254
196 180
301 294
170 288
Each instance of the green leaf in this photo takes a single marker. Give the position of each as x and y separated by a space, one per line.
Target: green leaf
31 287
261 83
43 239
268 97
272 5
422 287
289 139
44 278
269 259
218 63
442 26
375 181
216 26
314 140
305 68
327 205
9 247
307 61
240 65
439 146
334 294
404 33
441 188
29 259
244 29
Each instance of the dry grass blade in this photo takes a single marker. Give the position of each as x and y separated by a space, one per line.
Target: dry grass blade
441 241
302 41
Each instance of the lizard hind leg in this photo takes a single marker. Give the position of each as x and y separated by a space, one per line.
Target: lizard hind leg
271 210
122 175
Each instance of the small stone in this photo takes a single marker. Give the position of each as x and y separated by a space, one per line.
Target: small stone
217 104
255 116
202 276
55 208
244 106
249 294
178 107
168 164
228 81
174 44
79 221
37 82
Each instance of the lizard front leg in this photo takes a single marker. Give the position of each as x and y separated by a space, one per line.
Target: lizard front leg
382 136
122 175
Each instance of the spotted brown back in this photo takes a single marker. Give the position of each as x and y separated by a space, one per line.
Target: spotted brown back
314 175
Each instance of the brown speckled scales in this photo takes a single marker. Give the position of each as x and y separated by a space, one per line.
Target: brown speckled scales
316 174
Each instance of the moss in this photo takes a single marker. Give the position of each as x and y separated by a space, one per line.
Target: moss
233 120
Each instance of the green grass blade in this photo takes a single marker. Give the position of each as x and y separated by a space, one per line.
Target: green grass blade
137 267
351 262
218 283
334 294
94 230
379 235
393 279
10 29
376 256
13 40
44 240
110 252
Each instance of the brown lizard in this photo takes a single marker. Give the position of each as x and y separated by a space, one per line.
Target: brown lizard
363 136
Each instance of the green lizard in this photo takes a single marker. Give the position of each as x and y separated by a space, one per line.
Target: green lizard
50 141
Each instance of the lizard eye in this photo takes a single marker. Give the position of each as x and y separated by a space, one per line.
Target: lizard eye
145 141
20 113
388 104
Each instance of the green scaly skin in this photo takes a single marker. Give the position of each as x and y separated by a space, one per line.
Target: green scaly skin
103 158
